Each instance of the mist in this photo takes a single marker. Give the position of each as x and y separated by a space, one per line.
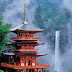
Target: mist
13 13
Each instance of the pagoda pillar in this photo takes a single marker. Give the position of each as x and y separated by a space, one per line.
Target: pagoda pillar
39 60
6 69
9 59
16 70
42 69
37 69
28 70
22 70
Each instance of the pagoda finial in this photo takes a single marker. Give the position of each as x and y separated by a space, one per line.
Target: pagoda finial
25 22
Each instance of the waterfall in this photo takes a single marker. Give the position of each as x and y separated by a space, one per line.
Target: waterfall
57 56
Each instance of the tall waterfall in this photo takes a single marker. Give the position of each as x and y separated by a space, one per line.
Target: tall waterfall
57 56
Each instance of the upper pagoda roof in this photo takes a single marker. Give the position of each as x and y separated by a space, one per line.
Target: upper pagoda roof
12 43
26 54
26 27
11 54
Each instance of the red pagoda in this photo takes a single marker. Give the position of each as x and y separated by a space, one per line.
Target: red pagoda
25 54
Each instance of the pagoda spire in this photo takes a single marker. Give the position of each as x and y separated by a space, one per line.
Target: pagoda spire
25 22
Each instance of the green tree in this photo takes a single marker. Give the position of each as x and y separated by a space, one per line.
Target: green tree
45 70
1 71
4 30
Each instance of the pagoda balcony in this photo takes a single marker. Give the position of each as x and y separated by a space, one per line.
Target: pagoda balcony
27 50
14 66
21 38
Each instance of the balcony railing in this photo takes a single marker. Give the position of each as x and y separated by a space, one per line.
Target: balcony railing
28 50
21 38
43 65
14 66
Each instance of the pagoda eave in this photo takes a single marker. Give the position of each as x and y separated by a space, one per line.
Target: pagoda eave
32 55
31 44
27 31
26 28
24 54
24 43
25 39
27 50
9 54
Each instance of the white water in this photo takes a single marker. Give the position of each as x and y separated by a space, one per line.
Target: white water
57 52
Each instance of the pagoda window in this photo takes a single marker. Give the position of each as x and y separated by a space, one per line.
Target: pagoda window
28 45
22 57
26 57
29 62
24 33
21 34
33 57
22 64
22 60
18 33
26 63
33 64
27 32
31 32
33 60
23 46
40 71
35 70
27 35
29 57
31 46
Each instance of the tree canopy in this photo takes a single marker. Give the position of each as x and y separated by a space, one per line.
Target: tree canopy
4 30
1 71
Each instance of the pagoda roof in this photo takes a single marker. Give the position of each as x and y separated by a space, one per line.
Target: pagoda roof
9 54
24 43
10 43
26 54
26 27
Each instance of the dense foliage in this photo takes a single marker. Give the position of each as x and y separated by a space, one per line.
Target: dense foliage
1 71
4 30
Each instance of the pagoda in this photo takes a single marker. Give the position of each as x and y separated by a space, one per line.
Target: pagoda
24 53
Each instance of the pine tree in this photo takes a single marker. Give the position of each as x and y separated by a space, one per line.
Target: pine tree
4 30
